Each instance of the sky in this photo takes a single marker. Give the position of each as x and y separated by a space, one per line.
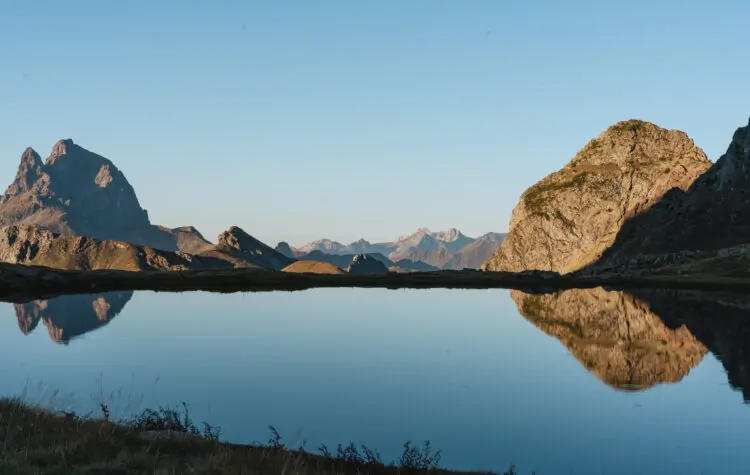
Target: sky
298 120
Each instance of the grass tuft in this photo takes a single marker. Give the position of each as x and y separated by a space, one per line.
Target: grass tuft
34 441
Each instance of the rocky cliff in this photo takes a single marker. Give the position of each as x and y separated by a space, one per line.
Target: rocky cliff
77 192
30 245
243 250
569 218
712 214
614 335
366 264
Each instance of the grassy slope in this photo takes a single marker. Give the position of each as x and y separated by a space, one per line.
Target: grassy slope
168 442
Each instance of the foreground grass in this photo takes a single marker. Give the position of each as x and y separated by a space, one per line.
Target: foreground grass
166 441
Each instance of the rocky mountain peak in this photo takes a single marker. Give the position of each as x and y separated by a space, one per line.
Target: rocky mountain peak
284 248
76 191
366 264
570 217
30 158
29 171
60 148
712 213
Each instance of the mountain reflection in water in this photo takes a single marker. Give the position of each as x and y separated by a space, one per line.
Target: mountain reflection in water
629 340
635 340
70 316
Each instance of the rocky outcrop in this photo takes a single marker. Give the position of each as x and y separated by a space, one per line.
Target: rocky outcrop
240 248
712 214
77 192
30 245
312 267
70 316
340 260
570 218
614 335
366 264
285 249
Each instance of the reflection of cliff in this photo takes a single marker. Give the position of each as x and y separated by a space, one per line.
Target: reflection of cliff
614 335
721 322
69 316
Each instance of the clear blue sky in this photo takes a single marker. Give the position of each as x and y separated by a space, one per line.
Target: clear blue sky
300 119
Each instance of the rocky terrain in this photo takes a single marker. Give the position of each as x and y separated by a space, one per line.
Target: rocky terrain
343 260
448 249
29 245
241 249
711 214
69 316
614 335
77 192
571 217
366 264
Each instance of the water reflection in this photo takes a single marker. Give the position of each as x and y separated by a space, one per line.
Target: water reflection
633 341
70 316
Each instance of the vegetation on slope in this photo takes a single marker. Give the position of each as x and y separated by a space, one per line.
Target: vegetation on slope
167 441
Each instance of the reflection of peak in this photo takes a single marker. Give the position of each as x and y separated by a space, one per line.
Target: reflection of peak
614 335
721 322
70 316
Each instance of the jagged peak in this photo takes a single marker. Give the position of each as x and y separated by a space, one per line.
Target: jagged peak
627 140
61 147
30 157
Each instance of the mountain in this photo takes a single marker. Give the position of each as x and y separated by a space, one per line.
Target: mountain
325 245
30 245
614 335
474 255
340 260
77 192
70 316
569 218
711 214
366 264
242 250
285 249
436 249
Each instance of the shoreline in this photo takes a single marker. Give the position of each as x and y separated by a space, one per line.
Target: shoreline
19 283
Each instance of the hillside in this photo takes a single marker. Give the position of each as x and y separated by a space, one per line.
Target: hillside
710 215
29 245
312 267
568 219
77 192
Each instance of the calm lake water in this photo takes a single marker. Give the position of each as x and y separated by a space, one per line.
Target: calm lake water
583 382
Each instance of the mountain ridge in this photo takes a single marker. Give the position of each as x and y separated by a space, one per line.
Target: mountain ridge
449 249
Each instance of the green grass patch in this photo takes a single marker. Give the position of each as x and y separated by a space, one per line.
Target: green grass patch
535 197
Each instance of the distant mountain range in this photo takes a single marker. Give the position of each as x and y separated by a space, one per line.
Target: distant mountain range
449 249
76 210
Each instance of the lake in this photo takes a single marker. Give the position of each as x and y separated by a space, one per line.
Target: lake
583 381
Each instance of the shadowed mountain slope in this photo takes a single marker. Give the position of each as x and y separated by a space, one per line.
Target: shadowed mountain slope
77 192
